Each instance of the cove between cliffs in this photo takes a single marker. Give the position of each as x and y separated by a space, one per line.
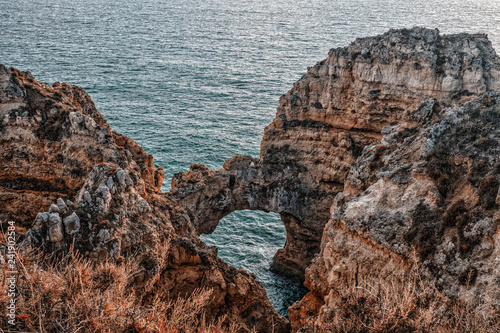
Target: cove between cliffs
373 155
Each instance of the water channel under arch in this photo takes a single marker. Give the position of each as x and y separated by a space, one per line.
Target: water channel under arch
251 246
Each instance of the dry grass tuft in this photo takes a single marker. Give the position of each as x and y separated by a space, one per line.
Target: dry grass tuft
411 306
73 294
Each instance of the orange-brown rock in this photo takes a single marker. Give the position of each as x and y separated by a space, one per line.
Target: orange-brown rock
210 195
99 190
324 122
425 197
429 186
380 133
50 139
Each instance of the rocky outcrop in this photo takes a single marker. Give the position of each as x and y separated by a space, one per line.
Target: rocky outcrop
51 137
388 134
247 183
430 181
382 158
425 197
99 192
323 124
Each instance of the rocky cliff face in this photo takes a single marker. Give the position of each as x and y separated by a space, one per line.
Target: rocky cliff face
323 124
430 185
51 138
383 157
396 136
98 190
427 196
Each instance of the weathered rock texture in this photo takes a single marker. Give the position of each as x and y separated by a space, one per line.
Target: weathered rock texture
427 197
380 134
246 183
323 124
391 142
55 145
430 185
51 137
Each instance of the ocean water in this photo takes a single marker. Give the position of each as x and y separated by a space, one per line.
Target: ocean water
197 81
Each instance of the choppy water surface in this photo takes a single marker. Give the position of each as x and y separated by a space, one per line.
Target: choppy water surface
197 81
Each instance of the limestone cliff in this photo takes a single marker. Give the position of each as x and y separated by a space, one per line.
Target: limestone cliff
397 136
323 124
99 191
427 196
382 158
429 185
51 138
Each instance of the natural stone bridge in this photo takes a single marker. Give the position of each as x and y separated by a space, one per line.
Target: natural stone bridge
247 183
323 124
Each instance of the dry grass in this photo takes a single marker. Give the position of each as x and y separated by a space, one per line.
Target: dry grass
73 294
409 307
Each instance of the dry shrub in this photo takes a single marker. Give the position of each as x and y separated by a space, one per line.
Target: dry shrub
74 294
411 306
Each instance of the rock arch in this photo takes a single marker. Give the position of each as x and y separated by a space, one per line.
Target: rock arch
339 107
248 183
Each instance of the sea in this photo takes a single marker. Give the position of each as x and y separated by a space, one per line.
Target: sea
196 81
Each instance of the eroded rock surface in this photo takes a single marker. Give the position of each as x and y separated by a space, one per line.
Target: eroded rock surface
99 190
382 157
324 122
426 197
210 195
51 137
